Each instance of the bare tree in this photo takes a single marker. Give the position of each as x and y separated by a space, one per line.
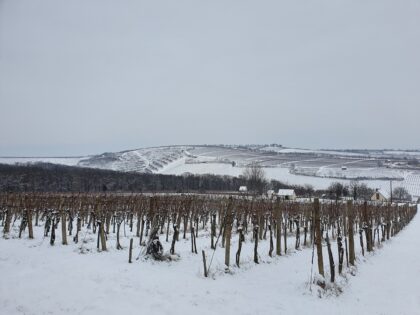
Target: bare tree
309 190
337 190
255 176
401 194
360 191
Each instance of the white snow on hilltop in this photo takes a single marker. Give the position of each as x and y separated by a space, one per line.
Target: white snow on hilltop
70 161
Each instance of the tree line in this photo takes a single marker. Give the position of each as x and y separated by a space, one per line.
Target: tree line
47 177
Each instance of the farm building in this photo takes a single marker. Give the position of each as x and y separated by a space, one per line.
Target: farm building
270 193
286 194
381 195
243 189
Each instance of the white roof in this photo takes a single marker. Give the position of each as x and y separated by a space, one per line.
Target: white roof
286 192
242 188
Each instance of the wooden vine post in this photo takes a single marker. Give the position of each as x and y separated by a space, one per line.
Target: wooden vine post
102 231
278 216
174 238
330 259
130 254
204 263
318 237
256 227
367 227
213 230
29 208
8 220
350 224
241 239
228 232
63 223
30 227
270 252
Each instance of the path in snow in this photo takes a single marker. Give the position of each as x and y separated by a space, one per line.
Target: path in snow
389 281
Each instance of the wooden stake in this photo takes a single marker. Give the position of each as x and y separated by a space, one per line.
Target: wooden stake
350 224
204 264
278 228
63 226
318 237
130 253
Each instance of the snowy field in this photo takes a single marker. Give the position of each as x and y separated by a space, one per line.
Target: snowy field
39 279
279 173
69 161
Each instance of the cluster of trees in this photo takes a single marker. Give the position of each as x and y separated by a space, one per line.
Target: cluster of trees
360 191
254 175
401 194
413 162
45 177
354 190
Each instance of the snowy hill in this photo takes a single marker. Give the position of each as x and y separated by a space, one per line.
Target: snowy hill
318 168
147 160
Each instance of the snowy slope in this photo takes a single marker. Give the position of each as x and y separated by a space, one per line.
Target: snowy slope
147 160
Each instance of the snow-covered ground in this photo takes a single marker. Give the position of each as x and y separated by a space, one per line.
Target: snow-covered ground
37 278
70 161
293 150
353 173
278 173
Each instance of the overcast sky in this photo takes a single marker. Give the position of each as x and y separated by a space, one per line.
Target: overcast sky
89 76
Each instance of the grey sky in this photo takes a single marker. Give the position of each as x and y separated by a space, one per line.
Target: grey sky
81 77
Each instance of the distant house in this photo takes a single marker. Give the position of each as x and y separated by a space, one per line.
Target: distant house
270 193
243 189
381 195
286 194
344 168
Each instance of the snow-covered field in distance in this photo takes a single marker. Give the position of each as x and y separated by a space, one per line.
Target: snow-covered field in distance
69 161
318 168
278 173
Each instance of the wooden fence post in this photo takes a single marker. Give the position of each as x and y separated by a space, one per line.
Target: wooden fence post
367 227
204 263
318 237
256 227
278 228
350 224
228 232
130 253
63 225
30 227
